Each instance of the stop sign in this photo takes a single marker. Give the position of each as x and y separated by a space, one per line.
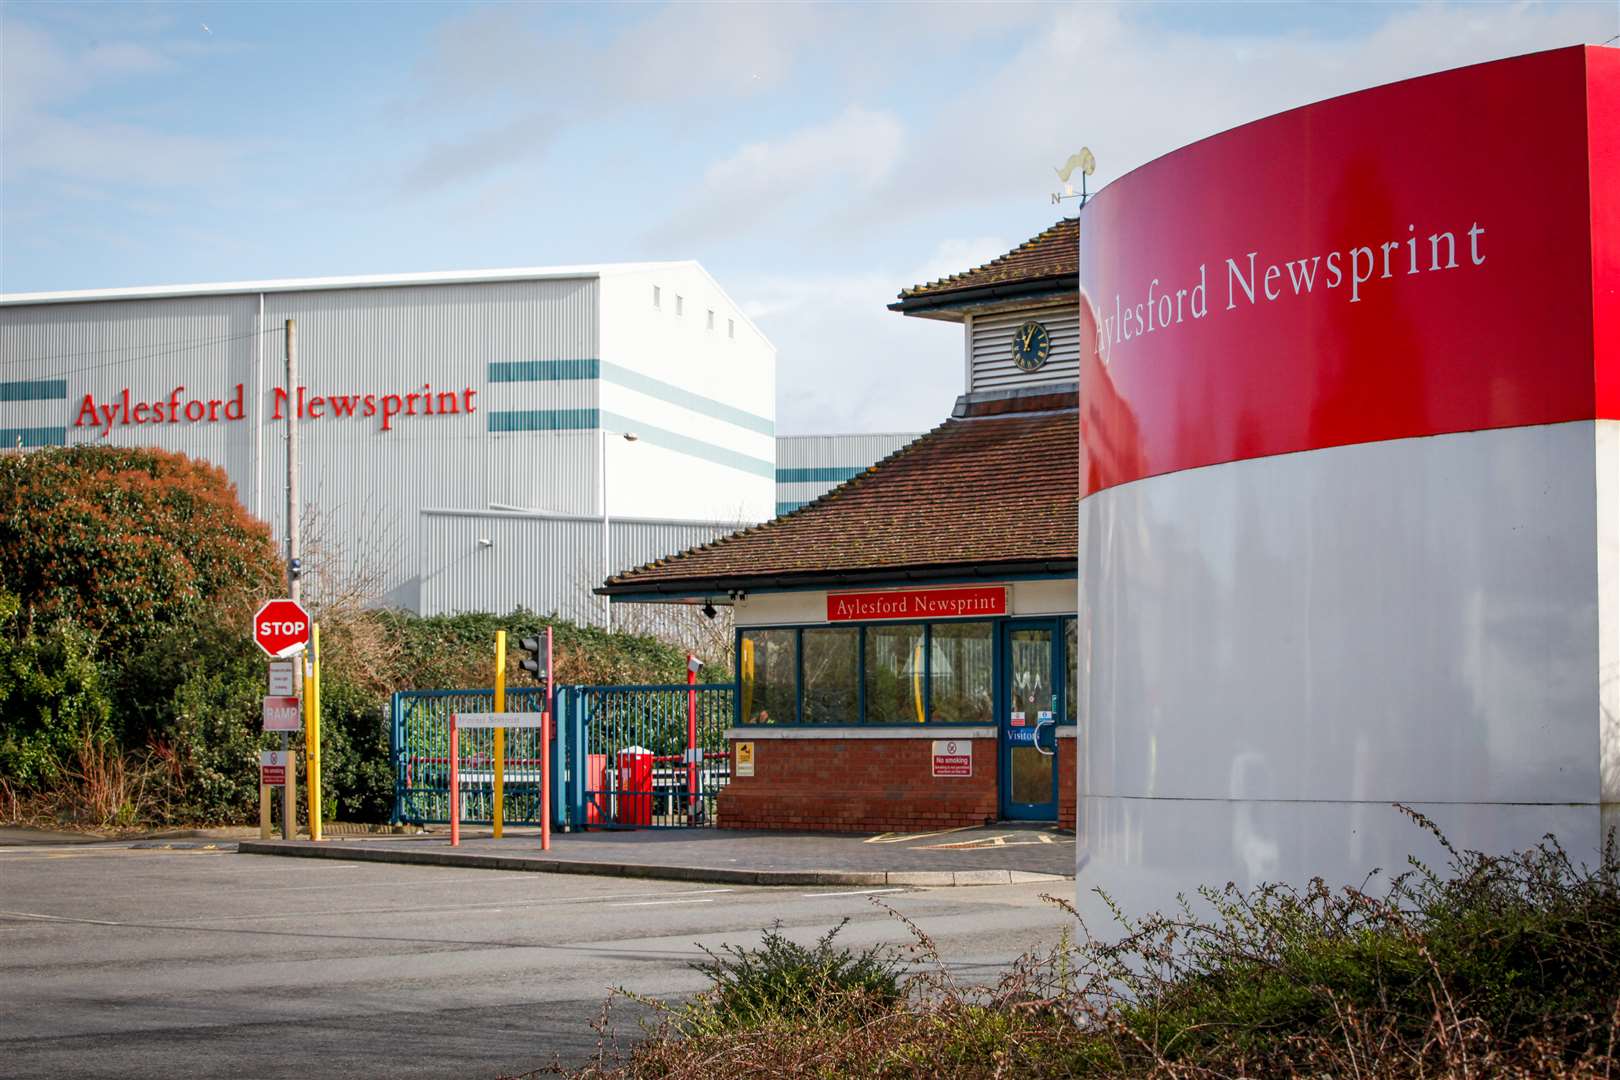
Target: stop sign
281 627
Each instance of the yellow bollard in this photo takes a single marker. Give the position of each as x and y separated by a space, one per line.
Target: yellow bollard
312 732
500 733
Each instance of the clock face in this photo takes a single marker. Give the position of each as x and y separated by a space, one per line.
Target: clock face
1031 346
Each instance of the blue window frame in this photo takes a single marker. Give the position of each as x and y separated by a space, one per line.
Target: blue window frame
771 673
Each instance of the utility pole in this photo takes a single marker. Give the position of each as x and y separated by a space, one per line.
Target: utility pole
289 794
607 536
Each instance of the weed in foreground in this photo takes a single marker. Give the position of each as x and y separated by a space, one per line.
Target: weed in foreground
1502 966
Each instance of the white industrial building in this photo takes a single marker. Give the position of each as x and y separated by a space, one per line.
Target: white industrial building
469 441
463 436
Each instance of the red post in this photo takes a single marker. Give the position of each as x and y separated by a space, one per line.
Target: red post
455 784
545 754
691 740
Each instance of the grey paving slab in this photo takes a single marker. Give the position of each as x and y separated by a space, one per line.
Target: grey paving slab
995 855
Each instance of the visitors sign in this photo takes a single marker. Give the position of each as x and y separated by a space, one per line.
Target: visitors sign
953 757
281 627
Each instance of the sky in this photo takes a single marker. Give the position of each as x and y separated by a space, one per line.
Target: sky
815 158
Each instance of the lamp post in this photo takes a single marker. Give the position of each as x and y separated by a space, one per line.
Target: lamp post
602 497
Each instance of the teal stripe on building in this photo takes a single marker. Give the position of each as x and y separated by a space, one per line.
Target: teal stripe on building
33 390
543 370
788 507
685 444
543 420
686 399
836 474
516 371
592 419
30 437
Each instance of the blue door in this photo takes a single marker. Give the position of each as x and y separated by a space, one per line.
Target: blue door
1028 717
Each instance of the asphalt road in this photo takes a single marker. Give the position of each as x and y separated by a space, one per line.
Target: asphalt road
132 962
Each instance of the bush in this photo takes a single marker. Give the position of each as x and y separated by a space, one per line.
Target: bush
52 698
785 981
1504 966
127 542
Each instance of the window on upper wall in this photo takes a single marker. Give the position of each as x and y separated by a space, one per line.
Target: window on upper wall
680 304
895 676
831 666
731 329
768 666
961 673
711 320
658 297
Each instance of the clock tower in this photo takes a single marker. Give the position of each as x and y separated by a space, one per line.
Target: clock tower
1020 314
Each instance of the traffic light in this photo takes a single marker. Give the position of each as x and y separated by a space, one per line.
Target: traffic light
533 660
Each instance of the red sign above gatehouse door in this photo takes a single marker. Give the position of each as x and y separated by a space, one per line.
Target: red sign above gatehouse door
969 602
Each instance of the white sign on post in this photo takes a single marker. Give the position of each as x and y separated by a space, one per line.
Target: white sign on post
283 678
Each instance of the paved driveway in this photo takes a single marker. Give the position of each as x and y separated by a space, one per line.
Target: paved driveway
125 961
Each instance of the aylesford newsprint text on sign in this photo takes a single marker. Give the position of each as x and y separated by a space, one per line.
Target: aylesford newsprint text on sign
976 601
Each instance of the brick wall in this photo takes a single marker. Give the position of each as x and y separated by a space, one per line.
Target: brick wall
869 785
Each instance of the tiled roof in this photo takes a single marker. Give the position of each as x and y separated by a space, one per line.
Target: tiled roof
976 493
1054 253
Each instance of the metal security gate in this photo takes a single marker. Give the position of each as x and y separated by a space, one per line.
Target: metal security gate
421 751
644 756
623 756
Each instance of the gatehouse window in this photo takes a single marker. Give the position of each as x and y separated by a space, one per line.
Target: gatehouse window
896 674
881 673
769 691
831 666
961 673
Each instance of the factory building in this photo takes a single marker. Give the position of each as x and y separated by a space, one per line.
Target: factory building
468 441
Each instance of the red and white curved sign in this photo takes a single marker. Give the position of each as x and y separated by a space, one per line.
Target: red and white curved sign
1409 260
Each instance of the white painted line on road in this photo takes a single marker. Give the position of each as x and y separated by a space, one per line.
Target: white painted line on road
539 901
856 892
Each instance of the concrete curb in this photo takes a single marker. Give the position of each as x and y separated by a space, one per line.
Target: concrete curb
719 875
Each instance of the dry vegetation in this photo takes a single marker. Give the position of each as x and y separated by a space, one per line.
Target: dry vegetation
1502 966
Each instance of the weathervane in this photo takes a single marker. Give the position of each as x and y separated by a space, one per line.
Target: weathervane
1087 165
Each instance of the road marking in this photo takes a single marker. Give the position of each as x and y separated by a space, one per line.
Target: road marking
856 892
900 838
496 905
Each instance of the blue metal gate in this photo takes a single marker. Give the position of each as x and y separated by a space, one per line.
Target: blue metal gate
620 758
645 756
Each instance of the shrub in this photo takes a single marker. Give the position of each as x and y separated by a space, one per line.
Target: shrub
53 699
783 981
127 542
1503 966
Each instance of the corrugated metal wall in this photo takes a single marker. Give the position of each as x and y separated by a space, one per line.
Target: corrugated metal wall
809 466
364 487
501 561
993 366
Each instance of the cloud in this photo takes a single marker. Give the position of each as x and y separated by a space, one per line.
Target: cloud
847 363
1133 90
520 139
857 148
39 83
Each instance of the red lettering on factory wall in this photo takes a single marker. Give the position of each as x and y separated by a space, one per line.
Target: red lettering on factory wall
975 601
180 407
